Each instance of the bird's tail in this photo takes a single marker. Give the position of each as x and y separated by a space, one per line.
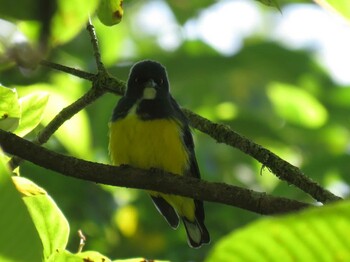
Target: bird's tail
197 233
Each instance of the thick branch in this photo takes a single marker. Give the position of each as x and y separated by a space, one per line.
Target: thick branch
150 180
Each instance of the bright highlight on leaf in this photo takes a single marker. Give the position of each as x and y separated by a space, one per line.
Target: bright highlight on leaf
70 17
32 107
316 234
52 226
19 238
297 106
127 220
226 111
341 7
10 111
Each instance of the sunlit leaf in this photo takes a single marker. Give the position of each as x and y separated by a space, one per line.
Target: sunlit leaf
316 234
297 105
226 111
70 18
74 134
341 7
32 107
26 187
10 111
19 239
127 219
110 42
51 224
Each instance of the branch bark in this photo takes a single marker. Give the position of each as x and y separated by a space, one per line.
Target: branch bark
154 179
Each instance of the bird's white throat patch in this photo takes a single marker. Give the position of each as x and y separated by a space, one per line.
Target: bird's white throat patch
149 93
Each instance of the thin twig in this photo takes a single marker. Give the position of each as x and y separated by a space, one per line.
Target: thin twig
91 29
68 70
82 240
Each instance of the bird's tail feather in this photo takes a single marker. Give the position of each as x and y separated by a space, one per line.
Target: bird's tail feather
197 233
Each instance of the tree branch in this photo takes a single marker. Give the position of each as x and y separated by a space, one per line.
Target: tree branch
281 168
68 70
156 180
91 29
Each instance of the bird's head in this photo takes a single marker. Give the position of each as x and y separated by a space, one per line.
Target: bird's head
147 80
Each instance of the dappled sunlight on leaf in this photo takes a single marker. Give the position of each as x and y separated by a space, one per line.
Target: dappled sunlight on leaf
226 111
19 238
311 235
75 129
340 7
10 110
32 110
296 105
126 218
70 18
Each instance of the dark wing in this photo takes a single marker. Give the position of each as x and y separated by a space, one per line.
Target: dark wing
167 211
122 108
192 227
187 138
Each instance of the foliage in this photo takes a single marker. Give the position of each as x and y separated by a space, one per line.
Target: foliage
295 110
313 235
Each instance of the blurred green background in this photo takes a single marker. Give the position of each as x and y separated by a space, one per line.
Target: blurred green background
239 70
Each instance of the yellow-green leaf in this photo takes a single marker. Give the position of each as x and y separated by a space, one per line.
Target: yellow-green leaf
341 7
50 222
316 234
71 16
296 105
19 238
10 111
32 107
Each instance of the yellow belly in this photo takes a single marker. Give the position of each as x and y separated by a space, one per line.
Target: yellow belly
152 144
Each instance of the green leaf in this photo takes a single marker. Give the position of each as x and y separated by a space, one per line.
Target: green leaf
341 7
297 106
50 222
19 239
10 111
91 256
316 234
272 3
70 17
75 129
32 107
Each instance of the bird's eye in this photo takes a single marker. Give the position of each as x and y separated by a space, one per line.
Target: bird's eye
161 81
136 80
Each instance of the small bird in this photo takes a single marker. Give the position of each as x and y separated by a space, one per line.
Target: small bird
149 130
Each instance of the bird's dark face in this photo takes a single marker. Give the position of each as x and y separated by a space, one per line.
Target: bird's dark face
147 80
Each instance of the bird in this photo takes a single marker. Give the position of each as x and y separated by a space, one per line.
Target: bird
149 130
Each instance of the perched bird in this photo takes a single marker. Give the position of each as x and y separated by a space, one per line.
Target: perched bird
148 130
